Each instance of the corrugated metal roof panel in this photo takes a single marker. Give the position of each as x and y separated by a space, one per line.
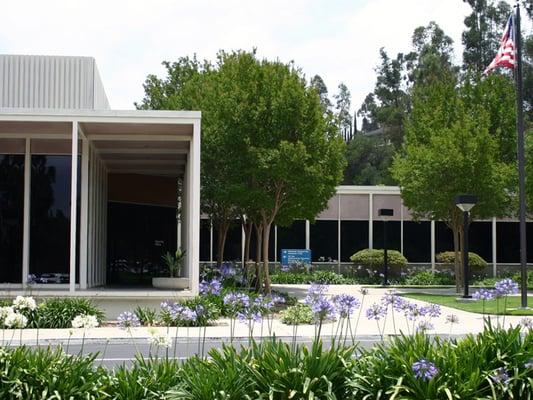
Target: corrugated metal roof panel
55 82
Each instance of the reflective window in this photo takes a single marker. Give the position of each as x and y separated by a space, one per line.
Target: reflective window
443 237
291 237
205 239
417 241
480 239
50 218
11 217
354 237
324 240
508 237
393 234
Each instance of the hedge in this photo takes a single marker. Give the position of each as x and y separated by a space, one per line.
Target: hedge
374 258
474 260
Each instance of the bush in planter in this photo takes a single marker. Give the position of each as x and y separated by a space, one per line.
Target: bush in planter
474 260
430 278
374 258
59 312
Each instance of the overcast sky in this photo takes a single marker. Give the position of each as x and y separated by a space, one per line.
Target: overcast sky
337 39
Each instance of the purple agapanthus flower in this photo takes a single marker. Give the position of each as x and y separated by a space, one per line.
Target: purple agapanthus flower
227 271
424 369
314 293
127 319
345 304
529 364
180 313
213 287
168 305
323 309
483 294
249 315
376 311
236 302
500 376
431 310
424 326
413 312
506 287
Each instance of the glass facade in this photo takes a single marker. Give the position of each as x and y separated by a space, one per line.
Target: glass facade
291 237
417 241
138 237
50 218
480 239
393 234
324 240
11 217
354 237
205 239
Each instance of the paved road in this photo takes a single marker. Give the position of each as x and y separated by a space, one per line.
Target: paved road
120 351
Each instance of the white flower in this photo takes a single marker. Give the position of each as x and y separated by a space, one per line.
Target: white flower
452 319
5 312
160 340
527 323
85 321
24 303
16 321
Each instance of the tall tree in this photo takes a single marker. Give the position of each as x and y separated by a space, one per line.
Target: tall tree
320 86
450 151
484 27
343 115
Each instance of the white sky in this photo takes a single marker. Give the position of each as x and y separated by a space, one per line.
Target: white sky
337 39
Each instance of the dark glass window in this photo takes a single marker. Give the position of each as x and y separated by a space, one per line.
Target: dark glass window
508 242
271 244
443 237
205 239
354 237
291 237
393 234
417 241
480 239
50 218
11 217
324 240
138 237
233 250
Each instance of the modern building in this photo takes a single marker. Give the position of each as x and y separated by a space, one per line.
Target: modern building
57 133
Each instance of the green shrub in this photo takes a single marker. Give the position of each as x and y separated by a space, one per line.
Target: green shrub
59 312
290 278
50 374
474 260
329 278
427 278
147 316
146 379
518 278
300 278
374 258
298 314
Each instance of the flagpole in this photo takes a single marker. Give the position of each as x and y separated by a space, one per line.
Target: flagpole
521 156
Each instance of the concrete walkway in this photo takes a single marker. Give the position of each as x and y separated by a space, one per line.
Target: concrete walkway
468 323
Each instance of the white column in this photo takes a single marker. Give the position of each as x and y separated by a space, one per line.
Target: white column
339 234
275 244
84 209
401 227
370 221
307 234
494 249
194 209
26 216
73 205
433 246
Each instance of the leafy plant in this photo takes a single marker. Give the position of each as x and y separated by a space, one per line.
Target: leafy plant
147 316
58 312
474 260
374 258
297 315
174 262
429 278
50 374
146 379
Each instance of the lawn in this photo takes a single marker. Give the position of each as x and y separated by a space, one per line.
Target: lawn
491 306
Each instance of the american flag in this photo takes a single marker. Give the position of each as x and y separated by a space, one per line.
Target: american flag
506 53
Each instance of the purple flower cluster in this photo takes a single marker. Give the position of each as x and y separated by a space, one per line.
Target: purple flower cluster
500 376
213 287
315 292
431 310
345 304
424 369
483 294
179 313
424 326
323 309
227 271
236 302
376 311
506 287
127 319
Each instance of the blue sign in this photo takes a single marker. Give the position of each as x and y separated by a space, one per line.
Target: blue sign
295 256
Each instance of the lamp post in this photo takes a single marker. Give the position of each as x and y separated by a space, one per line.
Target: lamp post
385 212
465 203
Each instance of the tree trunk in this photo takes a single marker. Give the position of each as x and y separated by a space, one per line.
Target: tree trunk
248 238
258 253
266 238
222 233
